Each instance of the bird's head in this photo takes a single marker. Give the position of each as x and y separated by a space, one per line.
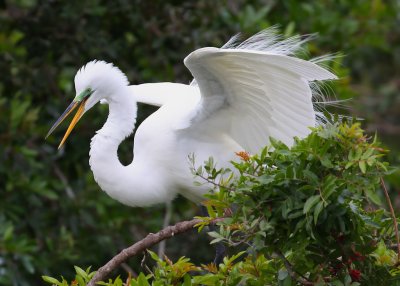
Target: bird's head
95 81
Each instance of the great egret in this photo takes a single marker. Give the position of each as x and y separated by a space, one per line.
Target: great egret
241 94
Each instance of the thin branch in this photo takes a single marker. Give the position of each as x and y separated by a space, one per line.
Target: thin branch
64 180
292 273
150 240
129 270
212 182
393 217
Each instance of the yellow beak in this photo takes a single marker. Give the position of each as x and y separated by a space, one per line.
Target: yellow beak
74 121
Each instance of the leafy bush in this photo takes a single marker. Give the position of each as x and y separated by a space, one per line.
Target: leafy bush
307 215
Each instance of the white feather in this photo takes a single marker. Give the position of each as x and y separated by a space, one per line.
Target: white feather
259 94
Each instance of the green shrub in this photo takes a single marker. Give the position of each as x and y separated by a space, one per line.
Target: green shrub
311 214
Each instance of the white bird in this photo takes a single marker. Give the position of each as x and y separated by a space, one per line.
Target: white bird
241 95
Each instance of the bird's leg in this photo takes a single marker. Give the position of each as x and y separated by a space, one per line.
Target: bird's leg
167 219
220 249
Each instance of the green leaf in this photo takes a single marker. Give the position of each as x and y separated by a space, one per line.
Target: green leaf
382 165
351 155
142 280
266 179
81 280
363 166
329 186
348 165
358 154
208 279
18 111
91 274
81 272
187 281
326 162
215 240
264 153
295 214
51 280
27 261
311 201
311 175
367 154
217 237
318 208
287 281
337 283
347 280
373 195
278 145
8 234
153 255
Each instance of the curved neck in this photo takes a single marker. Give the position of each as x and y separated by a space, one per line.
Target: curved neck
131 185
108 171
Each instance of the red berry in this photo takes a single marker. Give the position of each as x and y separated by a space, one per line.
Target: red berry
355 274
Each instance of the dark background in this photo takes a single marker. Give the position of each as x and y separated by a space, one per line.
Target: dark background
52 213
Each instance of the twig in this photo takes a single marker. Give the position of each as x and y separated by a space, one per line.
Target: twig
393 217
129 270
212 182
291 271
144 265
64 180
150 240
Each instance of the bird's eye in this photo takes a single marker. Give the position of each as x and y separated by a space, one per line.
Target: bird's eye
84 94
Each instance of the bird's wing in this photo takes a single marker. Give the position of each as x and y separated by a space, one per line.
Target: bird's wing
159 94
253 95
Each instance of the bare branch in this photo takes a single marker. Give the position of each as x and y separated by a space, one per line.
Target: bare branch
150 240
393 218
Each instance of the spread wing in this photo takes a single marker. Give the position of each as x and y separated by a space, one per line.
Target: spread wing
253 95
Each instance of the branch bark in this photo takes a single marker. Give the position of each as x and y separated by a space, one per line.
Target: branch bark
150 240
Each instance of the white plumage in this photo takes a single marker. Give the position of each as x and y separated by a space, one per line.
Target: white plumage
241 95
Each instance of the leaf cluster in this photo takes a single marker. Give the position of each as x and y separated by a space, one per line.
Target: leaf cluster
311 214
317 203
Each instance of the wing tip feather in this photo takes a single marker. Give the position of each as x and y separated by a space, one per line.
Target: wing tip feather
199 53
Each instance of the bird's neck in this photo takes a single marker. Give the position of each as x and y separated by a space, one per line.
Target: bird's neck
134 184
108 171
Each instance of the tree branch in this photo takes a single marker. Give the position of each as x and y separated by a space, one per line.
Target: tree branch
150 240
393 218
